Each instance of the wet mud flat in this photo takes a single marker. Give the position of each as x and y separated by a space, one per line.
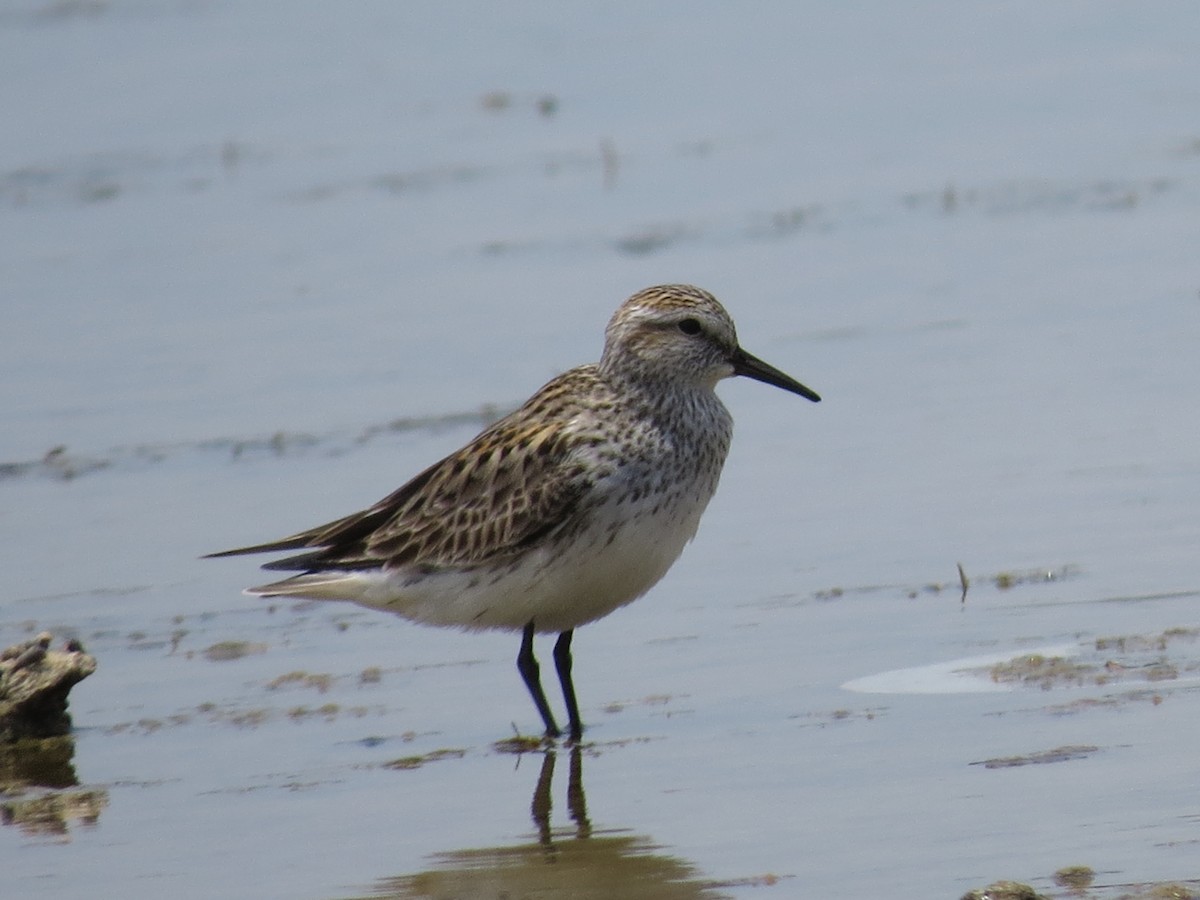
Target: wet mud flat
357 746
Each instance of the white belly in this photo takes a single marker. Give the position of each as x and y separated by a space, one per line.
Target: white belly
557 587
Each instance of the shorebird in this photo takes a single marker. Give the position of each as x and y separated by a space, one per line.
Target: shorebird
562 511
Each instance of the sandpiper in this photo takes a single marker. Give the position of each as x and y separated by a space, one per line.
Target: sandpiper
562 511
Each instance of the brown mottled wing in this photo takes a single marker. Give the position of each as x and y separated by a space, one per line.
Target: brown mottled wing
515 483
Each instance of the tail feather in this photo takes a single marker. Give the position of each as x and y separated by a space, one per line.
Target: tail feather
315 586
293 543
333 543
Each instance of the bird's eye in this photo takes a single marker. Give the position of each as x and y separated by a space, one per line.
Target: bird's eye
690 326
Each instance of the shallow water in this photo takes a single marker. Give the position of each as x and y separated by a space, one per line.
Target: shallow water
259 270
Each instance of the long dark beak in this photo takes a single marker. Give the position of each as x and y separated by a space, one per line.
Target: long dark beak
752 367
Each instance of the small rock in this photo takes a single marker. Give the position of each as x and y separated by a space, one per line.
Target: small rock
34 684
1004 890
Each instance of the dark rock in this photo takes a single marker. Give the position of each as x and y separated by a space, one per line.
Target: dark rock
34 684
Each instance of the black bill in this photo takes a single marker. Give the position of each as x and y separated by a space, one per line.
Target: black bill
752 367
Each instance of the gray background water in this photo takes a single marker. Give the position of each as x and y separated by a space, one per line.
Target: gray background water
263 263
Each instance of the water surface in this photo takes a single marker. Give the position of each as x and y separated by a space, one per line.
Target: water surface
260 269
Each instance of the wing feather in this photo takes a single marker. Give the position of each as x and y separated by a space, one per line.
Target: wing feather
513 485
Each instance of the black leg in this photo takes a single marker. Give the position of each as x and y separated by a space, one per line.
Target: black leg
576 802
541 805
527 665
562 662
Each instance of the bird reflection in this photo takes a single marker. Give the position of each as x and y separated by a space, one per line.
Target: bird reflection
576 801
576 861
41 792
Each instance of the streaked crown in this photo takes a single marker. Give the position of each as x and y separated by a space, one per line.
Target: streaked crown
674 333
